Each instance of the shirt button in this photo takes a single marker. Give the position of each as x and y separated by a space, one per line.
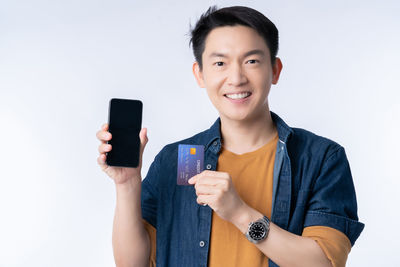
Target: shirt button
202 243
208 166
215 143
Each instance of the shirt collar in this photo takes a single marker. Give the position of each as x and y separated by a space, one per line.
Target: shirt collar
213 138
284 131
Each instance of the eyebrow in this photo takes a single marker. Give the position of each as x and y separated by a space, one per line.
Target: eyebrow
249 53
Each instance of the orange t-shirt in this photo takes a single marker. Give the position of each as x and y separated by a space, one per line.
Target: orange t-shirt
252 176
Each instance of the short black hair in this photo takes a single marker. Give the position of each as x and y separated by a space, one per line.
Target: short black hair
231 16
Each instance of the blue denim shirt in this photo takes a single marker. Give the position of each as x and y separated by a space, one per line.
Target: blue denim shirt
312 185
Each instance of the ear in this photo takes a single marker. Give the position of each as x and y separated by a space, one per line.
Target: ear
276 68
198 74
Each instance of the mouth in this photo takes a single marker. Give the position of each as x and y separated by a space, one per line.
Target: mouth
236 96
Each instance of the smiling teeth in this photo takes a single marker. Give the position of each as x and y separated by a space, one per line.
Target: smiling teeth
238 96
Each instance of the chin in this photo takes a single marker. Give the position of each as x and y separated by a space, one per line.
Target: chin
236 117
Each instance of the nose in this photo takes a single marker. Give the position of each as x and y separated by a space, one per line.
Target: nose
236 76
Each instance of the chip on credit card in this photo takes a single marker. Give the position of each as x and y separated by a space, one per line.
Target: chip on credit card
190 162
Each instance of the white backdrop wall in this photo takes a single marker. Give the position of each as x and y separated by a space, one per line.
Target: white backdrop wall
61 62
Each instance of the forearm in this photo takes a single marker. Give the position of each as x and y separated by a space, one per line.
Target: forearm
131 242
281 246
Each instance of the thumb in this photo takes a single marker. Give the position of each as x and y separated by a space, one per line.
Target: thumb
143 141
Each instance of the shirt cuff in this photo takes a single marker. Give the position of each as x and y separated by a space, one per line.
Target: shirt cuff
334 243
152 233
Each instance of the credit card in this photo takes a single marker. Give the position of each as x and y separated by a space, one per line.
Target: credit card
190 162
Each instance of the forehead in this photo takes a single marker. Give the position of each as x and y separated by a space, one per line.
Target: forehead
234 40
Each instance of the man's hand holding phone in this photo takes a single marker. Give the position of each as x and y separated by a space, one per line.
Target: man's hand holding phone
122 141
120 175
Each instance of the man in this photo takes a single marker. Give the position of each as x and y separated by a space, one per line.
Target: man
270 195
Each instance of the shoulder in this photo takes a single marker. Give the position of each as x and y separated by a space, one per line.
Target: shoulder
306 143
301 142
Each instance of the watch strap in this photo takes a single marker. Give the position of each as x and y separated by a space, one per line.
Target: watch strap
266 222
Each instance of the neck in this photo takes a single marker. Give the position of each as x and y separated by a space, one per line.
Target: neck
246 136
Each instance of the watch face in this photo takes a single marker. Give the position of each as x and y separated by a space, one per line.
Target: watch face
257 231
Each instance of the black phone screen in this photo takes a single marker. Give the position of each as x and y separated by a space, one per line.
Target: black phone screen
125 123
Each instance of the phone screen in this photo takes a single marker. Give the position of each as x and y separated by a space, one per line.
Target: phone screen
125 123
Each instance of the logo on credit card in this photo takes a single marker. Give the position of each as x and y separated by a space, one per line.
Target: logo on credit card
190 162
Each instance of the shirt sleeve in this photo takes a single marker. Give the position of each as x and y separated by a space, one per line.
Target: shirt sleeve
152 233
150 193
332 201
334 243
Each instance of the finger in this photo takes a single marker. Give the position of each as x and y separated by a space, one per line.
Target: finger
193 179
203 179
214 173
210 175
205 199
101 160
143 137
104 127
207 180
204 174
143 141
202 189
104 148
103 136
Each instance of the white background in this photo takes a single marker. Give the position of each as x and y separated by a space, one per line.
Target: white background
61 62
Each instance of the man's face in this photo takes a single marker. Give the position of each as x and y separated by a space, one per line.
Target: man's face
237 72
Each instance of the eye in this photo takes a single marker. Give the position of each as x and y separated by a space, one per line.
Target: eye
219 63
253 61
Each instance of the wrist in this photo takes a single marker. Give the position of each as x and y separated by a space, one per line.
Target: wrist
129 185
245 215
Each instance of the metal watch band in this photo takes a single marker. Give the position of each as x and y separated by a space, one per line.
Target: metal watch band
258 230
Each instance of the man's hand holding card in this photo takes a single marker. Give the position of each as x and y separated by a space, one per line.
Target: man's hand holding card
217 191
213 188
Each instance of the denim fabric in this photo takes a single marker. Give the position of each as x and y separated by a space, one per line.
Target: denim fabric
312 185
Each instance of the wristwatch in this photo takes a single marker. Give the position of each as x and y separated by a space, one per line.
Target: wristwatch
258 230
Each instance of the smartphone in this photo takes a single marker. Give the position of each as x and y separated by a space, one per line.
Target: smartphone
124 124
